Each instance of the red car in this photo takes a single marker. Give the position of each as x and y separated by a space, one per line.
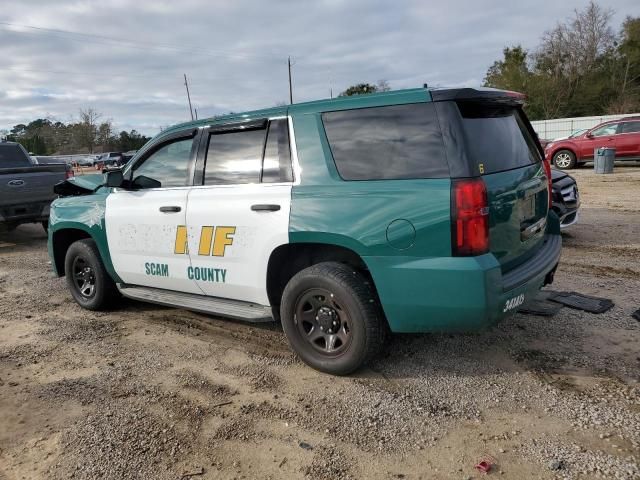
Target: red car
623 135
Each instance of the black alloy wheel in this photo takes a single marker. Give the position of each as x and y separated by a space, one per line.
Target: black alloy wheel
323 322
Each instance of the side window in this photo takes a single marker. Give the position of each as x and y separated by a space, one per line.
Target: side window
605 130
630 127
169 165
234 157
276 165
393 142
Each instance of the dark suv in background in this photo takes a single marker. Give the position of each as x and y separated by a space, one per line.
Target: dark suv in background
623 135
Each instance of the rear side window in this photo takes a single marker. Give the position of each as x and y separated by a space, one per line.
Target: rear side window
630 127
249 156
234 157
497 138
12 156
385 143
276 165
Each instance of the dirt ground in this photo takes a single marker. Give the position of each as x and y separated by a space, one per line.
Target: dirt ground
156 393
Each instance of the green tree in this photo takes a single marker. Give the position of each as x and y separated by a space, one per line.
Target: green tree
627 73
580 67
359 89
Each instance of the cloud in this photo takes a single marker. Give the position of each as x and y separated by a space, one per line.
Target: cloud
130 67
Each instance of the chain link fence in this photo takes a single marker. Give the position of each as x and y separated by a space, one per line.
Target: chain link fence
563 127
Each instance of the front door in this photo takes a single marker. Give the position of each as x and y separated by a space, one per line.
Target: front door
601 137
146 225
240 213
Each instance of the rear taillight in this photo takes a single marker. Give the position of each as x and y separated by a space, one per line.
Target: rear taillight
469 217
547 170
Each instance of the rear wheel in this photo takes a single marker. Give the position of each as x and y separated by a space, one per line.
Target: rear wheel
564 159
331 318
87 279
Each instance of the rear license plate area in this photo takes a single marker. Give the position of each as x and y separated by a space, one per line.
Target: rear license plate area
528 208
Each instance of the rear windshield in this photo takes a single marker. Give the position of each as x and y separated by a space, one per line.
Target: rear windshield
497 138
12 156
390 142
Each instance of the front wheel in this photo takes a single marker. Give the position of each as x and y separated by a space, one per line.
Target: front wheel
87 279
564 159
331 318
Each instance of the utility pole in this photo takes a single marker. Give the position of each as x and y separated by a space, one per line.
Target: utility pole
186 84
330 83
290 86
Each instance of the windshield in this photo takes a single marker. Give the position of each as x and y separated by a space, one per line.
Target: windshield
577 133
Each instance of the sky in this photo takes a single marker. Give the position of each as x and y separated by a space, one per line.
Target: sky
126 58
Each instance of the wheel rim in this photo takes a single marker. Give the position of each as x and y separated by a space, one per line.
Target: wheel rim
563 160
84 277
322 322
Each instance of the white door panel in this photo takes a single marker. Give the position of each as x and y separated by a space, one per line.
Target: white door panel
143 240
229 255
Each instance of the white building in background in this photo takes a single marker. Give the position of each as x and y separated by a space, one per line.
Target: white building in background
563 127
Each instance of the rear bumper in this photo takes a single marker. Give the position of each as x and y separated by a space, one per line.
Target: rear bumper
458 293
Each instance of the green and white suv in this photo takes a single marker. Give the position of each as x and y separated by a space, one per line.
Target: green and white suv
418 210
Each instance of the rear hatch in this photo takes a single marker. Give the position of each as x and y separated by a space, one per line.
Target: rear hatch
495 140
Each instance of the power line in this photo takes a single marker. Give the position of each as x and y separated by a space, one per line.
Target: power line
139 44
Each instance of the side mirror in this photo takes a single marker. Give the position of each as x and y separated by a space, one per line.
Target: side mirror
114 178
145 182
589 135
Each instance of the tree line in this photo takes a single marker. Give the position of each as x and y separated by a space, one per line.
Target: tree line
582 67
87 134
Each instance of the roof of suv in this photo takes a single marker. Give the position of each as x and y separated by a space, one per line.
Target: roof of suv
392 97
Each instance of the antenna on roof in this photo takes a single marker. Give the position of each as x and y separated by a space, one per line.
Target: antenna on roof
424 85
289 64
186 84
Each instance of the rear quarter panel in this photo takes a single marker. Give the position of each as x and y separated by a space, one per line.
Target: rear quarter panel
357 214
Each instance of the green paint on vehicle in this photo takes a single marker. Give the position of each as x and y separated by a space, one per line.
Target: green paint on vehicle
401 229
85 213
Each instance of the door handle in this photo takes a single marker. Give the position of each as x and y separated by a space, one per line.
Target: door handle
260 207
171 209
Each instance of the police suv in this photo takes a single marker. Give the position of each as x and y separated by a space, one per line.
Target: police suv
417 210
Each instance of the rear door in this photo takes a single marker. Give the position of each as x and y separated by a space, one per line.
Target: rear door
501 147
240 213
628 140
146 227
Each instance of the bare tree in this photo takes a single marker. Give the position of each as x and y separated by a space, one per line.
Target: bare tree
570 52
574 47
382 86
87 130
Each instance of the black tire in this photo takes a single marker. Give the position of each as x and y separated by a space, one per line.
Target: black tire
345 302
564 159
87 279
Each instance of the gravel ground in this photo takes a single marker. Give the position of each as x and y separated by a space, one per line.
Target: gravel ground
151 392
